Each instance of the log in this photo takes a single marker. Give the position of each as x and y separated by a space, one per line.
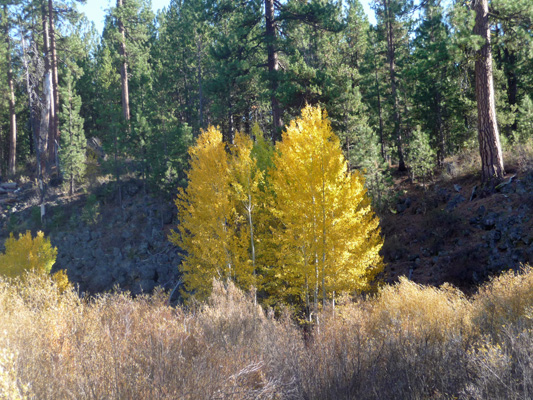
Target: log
8 200
8 185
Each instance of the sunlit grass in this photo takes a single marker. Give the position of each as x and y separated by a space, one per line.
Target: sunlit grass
409 341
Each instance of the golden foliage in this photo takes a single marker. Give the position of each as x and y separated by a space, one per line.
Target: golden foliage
246 180
27 254
328 236
208 218
60 278
293 221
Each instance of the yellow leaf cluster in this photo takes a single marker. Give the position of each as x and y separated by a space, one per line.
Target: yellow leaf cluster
214 213
61 280
27 254
328 239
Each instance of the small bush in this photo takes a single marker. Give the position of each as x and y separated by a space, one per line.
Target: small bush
27 254
90 213
434 314
420 157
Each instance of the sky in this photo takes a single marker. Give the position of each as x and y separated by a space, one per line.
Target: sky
95 10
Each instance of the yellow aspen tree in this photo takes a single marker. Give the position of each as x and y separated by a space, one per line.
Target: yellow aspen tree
212 232
327 235
204 211
27 254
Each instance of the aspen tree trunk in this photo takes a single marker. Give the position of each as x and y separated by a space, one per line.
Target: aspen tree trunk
391 55
123 67
12 116
273 66
54 118
490 149
249 207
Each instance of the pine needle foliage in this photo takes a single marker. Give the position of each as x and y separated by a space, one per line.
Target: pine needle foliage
73 141
420 157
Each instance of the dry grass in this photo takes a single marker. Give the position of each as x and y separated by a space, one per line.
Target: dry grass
408 342
517 157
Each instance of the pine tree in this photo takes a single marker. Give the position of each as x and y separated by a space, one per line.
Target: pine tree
525 119
328 236
73 141
420 156
392 16
6 24
235 59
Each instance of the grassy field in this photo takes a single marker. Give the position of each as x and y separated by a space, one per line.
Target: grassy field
410 342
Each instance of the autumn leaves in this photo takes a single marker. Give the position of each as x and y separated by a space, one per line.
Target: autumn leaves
290 221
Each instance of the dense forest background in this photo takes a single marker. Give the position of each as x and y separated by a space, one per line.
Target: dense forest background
401 92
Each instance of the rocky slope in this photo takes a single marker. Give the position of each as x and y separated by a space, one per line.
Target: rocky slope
99 244
447 233
455 233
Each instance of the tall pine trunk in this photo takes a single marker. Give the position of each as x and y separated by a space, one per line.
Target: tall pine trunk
54 118
12 116
45 131
123 67
391 56
492 170
273 66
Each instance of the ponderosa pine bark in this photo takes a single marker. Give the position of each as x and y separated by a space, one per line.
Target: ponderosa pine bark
273 66
490 149
12 115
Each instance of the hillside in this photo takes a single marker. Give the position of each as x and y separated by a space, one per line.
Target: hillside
452 232
435 235
100 244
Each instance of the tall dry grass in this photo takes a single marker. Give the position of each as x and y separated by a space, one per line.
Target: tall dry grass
408 342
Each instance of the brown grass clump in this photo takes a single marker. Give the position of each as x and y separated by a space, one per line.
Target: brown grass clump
431 313
407 342
505 300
